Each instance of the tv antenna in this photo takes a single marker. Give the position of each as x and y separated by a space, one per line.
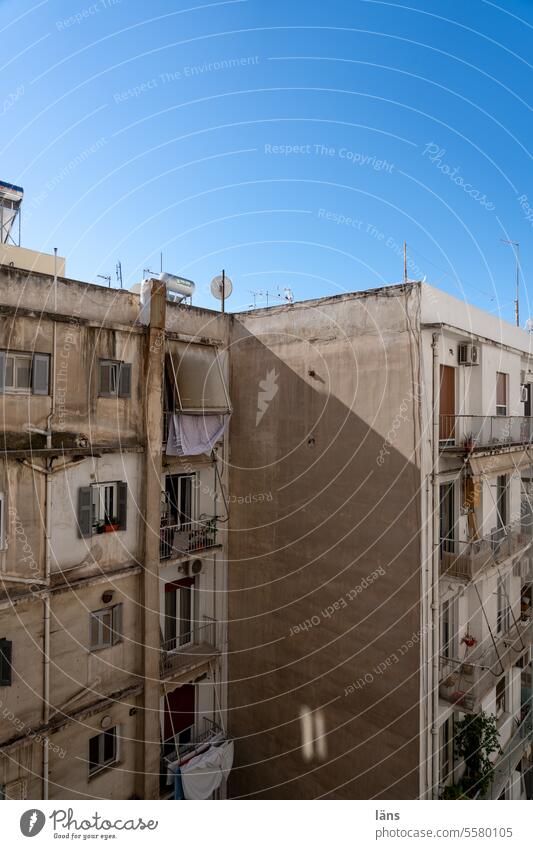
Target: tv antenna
105 277
268 295
118 272
221 288
516 246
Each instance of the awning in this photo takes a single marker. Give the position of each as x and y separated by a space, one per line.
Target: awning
501 464
202 775
196 374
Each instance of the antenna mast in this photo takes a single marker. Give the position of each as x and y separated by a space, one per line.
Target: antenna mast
405 262
516 247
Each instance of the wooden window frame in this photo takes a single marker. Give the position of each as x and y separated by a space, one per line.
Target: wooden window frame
114 628
102 762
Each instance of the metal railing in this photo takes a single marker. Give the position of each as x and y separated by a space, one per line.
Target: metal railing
192 646
466 559
506 764
185 538
482 432
203 732
465 682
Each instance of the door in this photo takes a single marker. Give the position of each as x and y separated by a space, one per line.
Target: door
179 496
447 404
180 709
179 614
447 517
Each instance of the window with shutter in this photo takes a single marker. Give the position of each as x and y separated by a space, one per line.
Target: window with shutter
40 374
102 750
21 373
85 511
115 379
108 378
106 627
6 653
124 383
122 511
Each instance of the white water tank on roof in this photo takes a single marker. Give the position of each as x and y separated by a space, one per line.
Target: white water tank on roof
178 288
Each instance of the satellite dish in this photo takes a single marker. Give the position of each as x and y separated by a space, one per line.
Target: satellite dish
216 287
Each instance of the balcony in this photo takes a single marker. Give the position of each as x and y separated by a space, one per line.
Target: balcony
188 743
506 764
466 560
182 655
466 434
466 682
178 540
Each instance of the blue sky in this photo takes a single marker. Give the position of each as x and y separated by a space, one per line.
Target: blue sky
295 144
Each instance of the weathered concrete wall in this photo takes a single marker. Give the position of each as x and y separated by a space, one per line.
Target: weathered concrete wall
23 489
324 602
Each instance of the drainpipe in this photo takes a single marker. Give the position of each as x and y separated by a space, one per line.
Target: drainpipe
47 557
148 780
435 573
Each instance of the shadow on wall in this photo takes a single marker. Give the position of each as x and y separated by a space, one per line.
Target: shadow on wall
324 573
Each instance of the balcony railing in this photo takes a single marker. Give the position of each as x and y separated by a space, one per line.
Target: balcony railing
176 540
191 649
466 682
471 433
467 559
188 742
506 764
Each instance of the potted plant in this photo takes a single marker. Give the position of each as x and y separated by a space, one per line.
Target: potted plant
469 640
476 739
110 525
469 442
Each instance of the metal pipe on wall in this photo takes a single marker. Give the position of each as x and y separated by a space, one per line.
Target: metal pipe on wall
434 623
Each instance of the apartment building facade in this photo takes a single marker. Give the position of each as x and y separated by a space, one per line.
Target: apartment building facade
113 544
332 580
382 595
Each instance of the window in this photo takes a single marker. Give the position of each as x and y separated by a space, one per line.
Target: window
449 629
21 372
106 627
115 379
3 541
446 750
102 750
501 393
447 517
503 610
102 508
501 697
179 613
6 654
179 500
195 378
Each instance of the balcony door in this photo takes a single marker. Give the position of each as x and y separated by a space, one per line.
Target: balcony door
179 613
447 517
179 497
447 404
179 719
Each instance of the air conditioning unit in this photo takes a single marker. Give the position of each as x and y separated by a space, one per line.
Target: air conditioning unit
467 354
185 568
196 567
523 393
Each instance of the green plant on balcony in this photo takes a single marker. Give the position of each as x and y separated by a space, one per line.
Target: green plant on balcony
476 739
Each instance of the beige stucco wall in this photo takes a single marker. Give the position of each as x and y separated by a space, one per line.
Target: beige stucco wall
326 502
